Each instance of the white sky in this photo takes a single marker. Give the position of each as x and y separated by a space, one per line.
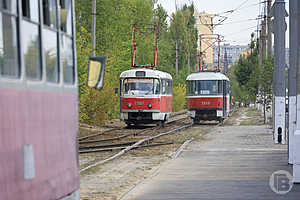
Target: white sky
234 31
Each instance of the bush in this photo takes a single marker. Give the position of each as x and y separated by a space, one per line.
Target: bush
179 102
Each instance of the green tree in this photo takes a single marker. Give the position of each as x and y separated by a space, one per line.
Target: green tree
114 20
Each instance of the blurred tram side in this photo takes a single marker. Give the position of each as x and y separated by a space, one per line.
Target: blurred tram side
38 101
208 96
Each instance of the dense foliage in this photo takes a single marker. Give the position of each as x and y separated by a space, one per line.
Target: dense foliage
251 82
113 39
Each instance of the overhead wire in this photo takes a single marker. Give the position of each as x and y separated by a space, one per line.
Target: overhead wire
240 21
239 31
228 12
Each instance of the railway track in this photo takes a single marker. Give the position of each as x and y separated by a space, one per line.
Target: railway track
99 134
127 136
125 147
109 144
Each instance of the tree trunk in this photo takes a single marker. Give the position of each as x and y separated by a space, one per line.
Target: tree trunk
189 62
176 65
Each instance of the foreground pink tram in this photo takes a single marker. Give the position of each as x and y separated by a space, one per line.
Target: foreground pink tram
146 96
208 96
38 101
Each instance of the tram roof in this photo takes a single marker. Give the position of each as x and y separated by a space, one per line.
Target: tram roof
152 73
207 76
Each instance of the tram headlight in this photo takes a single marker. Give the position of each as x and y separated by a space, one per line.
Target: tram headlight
129 105
149 105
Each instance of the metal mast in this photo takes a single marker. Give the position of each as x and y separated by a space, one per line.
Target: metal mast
292 75
279 71
296 138
94 27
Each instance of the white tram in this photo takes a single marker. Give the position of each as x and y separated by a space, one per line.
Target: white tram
208 96
146 96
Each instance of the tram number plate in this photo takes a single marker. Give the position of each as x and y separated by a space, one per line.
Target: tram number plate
139 103
205 103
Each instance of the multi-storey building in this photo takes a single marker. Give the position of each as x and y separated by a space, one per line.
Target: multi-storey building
233 52
204 24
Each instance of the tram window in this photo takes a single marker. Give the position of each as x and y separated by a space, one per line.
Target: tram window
10 5
49 13
220 87
66 16
31 50
188 87
9 58
169 86
3 4
205 87
227 87
67 64
193 88
30 10
163 83
156 86
50 51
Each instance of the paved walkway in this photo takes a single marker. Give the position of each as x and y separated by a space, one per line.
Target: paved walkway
232 163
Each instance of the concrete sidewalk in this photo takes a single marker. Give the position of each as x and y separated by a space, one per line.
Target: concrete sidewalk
233 162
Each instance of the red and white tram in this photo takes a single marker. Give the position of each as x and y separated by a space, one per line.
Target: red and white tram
208 96
146 96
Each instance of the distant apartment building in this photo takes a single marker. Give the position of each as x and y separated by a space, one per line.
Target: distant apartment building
204 25
233 52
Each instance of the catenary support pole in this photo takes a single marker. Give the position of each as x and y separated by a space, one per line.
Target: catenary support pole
219 54
269 29
292 75
94 27
296 138
176 62
279 71
263 54
200 53
260 55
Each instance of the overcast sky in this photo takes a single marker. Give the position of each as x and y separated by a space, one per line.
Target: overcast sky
238 26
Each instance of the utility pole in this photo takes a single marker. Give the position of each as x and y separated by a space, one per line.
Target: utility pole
225 62
219 54
279 71
94 27
292 74
260 56
262 37
189 62
269 27
200 53
296 138
263 55
264 33
176 62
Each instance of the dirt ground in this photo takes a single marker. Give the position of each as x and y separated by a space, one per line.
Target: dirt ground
110 181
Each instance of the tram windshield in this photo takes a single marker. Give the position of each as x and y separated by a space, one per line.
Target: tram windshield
141 86
204 87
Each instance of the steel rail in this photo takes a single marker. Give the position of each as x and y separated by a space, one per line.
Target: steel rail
107 140
98 133
118 148
108 145
135 145
125 135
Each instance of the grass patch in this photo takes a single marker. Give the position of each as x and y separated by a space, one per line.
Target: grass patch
252 112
